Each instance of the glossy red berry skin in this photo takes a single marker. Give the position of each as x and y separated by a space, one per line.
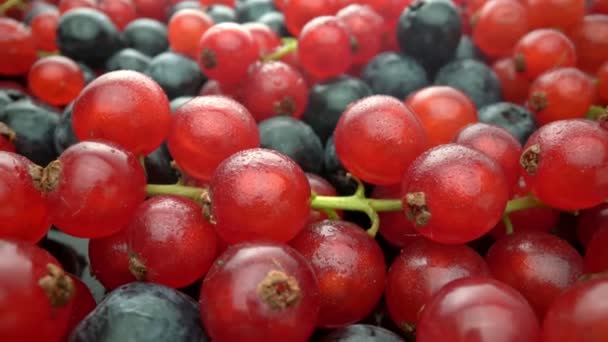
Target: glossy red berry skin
539 265
109 259
17 46
320 187
225 52
66 5
28 312
124 107
44 30
579 314
170 241
487 308
596 254
602 83
514 85
556 14
216 121
98 188
422 269
565 163
259 194
394 226
277 287
25 213
377 138
350 270
274 88
120 12
56 80
366 27
265 38
498 26
185 29
324 47
299 12
542 50
559 94
443 111
591 40
83 304
496 143
446 179
590 221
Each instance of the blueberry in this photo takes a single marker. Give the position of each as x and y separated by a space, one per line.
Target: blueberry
87 72
430 30
328 100
295 139
473 78
177 74
128 59
188 4
335 172
221 14
148 36
142 312
393 74
362 333
468 50
64 135
514 118
158 167
252 10
276 21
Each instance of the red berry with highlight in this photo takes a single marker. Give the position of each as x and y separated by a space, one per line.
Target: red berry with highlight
320 187
299 12
120 12
109 259
542 50
186 28
394 226
557 14
17 48
56 80
591 40
83 304
498 26
265 38
44 30
514 86
366 28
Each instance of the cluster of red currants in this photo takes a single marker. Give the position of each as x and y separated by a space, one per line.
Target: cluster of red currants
279 254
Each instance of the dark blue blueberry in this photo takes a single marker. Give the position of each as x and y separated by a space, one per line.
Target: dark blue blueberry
148 36
177 74
514 118
252 10
472 77
362 333
189 4
64 136
179 101
335 172
87 72
276 21
128 59
221 14
393 74
158 167
468 50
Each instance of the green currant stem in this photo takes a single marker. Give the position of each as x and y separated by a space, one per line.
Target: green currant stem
594 112
177 190
289 45
508 224
523 203
9 4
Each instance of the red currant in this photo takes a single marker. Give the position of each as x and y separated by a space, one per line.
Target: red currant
479 308
299 12
93 189
216 121
7 138
185 30
394 226
558 14
591 40
444 181
589 221
498 26
56 80
277 290
319 186
596 255
349 267
421 270
365 25
155 9
66 5
120 12
83 304
565 163
109 259
265 38
377 138
17 48
170 242
542 50
44 30
259 194
442 111
124 107
602 83
514 85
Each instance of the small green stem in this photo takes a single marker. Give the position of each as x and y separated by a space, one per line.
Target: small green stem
289 45
523 203
8 5
595 112
508 224
177 190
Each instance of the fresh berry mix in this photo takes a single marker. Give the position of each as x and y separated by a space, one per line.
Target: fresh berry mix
304 170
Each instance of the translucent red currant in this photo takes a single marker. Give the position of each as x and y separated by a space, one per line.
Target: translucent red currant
120 12
109 259
44 30
185 30
394 226
498 26
17 48
514 85
542 50
56 80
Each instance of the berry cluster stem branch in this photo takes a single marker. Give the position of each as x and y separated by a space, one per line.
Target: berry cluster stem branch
523 203
289 45
9 4
595 112
177 190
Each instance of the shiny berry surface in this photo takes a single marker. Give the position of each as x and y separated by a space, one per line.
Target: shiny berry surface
498 26
366 27
377 138
591 40
422 269
124 107
185 29
299 12
558 14
480 307
17 46
265 38
158 226
565 163
56 80
36 294
514 85
94 189
442 111
44 30
454 194
539 265
496 143
579 314
83 304
120 12
277 289
349 267
602 83
259 194
109 259
210 121
542 50
394 226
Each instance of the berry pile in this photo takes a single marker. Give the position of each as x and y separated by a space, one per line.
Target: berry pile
304 170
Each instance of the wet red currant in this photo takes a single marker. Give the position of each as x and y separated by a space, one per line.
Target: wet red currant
565 163
66 5
579 314
394 226
155 9
265 38
259 194
93 189
44 30
276 286
349 267
299 12
56 80
557 14
170 242
365 25
421 270
539 265
542 50
36 296
124 107
120 12
591 40
17 48
216 121
377 138
185 30
602 83
109 259
24 214
442 111
454 194
83 304
486 308
498 26
514 85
